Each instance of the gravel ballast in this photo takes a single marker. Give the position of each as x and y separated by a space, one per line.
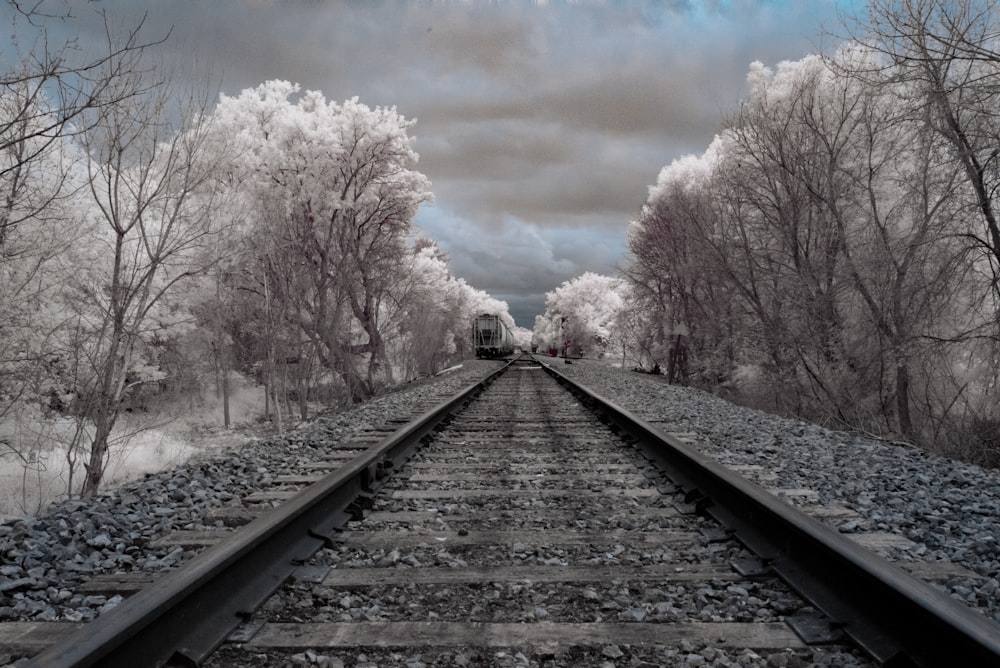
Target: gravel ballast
512 555
43 559
949 509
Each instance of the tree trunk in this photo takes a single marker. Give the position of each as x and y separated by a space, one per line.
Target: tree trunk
903 398
277 406
225 397
98 454
108 405
267 400
303 389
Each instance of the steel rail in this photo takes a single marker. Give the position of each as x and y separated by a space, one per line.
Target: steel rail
897 619
182 617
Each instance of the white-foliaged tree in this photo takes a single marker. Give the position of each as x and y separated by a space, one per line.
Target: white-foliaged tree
582 317
337 193
818 257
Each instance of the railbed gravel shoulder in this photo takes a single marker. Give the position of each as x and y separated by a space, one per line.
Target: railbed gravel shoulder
950 509
43 559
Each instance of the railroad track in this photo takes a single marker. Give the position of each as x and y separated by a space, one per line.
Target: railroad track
535 526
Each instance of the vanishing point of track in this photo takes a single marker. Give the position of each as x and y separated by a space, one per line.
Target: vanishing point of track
544 523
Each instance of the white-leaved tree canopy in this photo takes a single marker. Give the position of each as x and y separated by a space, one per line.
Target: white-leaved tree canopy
336 191
583 317
440 309
831 253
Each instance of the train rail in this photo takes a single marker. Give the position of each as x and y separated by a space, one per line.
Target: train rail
525 487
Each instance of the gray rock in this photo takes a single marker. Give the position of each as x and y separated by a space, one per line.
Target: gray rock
18 584
612 652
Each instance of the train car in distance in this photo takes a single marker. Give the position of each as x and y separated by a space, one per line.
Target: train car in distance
491 337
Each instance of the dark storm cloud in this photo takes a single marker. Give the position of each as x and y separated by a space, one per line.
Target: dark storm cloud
540 125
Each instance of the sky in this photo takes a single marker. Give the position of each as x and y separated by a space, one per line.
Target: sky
541 125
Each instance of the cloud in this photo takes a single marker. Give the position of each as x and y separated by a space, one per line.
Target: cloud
521 260
540 124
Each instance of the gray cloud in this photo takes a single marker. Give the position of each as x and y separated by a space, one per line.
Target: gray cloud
540 124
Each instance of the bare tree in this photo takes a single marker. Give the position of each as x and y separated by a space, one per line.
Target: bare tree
846 223
56 91
148 179
675 278
945 54
48 95
946 50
